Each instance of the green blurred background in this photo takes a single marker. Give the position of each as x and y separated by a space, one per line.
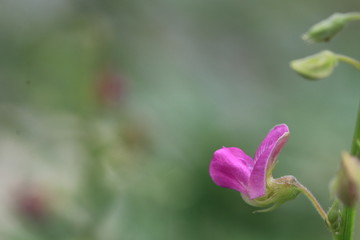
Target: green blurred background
110 112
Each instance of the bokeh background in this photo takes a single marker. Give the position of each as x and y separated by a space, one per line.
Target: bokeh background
110 112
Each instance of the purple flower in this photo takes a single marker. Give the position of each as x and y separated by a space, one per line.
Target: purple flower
232 168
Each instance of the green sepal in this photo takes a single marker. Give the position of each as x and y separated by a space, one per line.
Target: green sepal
334 217
278 191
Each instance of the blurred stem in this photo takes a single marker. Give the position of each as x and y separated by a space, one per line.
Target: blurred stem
354 16
96 196
349 60
314 202
355 147
348 219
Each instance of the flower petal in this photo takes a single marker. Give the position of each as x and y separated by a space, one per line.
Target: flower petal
231 168
264 159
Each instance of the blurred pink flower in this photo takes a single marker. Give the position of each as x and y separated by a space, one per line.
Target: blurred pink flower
232 168
32 203
110 88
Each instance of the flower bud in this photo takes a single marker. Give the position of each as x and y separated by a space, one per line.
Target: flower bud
325 30
315 66
346 185
334 217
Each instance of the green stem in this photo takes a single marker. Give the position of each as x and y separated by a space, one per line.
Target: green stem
348 219
349 60
355 147
348 223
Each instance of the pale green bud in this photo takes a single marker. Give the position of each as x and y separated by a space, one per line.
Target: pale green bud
334 217
346 184
325 30
315 66
278 191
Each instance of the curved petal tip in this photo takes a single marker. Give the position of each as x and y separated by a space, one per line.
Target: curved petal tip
265 157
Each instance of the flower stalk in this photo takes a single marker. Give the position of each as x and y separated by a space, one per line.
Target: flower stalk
354 16
314 202
348 60
347 228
